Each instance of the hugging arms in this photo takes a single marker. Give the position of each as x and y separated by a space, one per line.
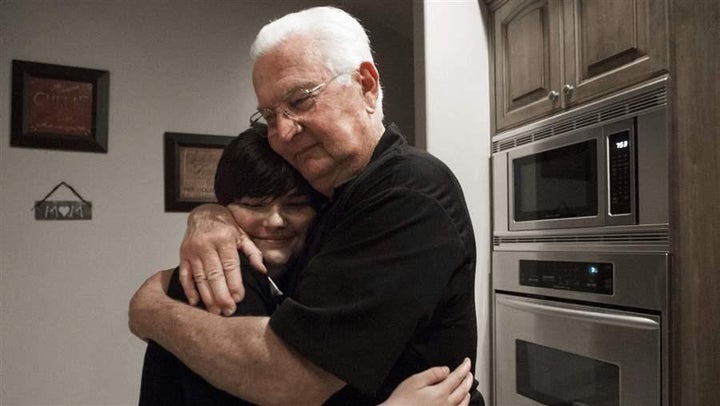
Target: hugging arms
383 287
276 207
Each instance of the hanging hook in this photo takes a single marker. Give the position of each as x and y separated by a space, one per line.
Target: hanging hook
56 188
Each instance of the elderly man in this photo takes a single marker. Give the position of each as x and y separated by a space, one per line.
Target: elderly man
384 287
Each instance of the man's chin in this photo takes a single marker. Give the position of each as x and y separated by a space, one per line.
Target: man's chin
313 166
317 175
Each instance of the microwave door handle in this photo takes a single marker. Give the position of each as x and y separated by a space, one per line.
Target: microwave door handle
635 322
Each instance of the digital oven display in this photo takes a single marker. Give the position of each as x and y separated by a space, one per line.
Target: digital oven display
595 277
558 183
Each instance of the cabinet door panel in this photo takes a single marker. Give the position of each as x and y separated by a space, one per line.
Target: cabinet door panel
527 60
612 44
608 37
525 57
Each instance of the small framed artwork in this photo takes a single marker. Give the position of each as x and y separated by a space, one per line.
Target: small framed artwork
190 163
59 107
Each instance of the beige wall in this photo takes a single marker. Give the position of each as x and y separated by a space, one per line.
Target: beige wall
65 285
174 66
458 131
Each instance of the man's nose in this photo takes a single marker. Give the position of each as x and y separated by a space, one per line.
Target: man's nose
285 127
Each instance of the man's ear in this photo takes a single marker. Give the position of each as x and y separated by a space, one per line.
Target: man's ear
370 84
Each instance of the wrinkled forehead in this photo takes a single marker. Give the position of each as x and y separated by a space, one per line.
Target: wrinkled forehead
296 61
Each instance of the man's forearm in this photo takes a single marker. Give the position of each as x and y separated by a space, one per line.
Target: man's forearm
240 355
213 347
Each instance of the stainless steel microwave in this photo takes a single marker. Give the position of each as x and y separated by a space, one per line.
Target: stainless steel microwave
603 165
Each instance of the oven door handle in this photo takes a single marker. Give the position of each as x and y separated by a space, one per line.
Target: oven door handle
636 322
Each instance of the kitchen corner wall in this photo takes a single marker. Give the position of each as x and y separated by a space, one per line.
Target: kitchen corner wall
179 66
458 131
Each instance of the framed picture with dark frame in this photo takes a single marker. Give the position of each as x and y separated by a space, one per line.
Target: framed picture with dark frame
59 107
190 163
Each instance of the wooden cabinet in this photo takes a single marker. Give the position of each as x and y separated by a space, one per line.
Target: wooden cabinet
609 44
527 60
550 55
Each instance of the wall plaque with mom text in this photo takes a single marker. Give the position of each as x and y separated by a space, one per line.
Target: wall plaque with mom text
59 107
80 209
190 164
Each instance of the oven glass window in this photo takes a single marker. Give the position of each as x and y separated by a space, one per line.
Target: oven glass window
559 183
554 377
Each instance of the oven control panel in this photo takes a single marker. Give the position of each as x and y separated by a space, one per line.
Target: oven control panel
620 174
595 277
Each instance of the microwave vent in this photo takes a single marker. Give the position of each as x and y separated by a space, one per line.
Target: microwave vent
539 135
580 239
607 112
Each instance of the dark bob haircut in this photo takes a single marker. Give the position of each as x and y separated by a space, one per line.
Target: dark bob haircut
249 168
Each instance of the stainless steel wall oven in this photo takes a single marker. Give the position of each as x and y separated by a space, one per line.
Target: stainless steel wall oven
575 328
580 255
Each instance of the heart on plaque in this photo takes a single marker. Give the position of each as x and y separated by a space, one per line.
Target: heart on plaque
64 210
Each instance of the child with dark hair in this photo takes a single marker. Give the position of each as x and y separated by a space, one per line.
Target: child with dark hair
276 206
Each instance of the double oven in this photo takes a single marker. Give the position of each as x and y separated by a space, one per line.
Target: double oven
580 255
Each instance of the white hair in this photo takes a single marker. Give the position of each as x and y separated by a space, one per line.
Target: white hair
338 36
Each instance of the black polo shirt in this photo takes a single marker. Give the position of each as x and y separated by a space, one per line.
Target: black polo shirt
167 381
385 287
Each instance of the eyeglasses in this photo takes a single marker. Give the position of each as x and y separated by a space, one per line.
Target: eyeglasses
298 102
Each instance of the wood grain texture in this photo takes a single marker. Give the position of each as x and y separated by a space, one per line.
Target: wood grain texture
695 203
527 65
612 45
